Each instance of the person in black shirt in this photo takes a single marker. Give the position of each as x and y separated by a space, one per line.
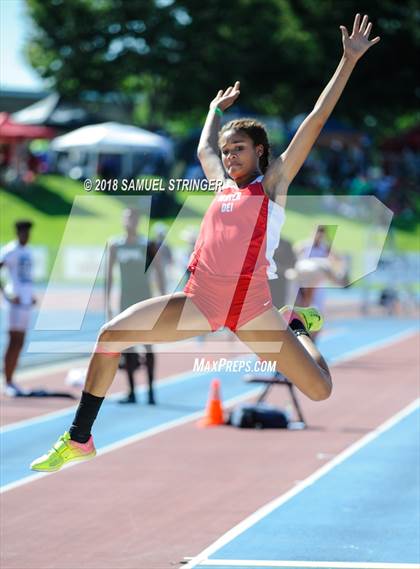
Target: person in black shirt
133 253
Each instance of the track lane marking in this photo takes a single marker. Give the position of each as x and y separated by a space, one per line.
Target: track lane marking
203 558
188 418
307 564
170 380
184 376
131 439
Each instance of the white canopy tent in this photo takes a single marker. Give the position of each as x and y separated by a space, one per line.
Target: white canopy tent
134 145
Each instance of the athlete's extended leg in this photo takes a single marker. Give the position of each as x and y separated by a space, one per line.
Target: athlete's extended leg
163 319
151 321
296 357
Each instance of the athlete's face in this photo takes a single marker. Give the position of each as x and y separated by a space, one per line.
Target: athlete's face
240 156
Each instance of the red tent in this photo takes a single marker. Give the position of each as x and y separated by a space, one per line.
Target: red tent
11 132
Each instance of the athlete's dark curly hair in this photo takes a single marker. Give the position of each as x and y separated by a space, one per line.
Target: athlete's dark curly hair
256 131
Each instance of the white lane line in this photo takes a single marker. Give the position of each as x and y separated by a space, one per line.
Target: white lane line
186 375
359 352
170 380
29 373
202 558
315 564
132 439
187 418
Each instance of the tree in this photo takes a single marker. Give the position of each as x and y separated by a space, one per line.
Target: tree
177 53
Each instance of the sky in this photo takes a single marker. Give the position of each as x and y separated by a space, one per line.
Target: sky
15 72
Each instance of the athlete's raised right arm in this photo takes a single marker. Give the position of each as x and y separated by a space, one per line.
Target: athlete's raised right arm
282 171
208 147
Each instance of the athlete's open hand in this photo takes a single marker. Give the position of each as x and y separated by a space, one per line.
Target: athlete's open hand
224 100
358 43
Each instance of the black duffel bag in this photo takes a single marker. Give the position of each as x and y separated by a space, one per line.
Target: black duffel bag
258 416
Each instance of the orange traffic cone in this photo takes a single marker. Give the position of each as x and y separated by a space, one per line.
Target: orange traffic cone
214 409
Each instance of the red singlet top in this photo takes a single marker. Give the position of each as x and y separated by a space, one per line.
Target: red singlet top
239 233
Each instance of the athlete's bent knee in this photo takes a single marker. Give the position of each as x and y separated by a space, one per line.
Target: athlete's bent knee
322 390
104 343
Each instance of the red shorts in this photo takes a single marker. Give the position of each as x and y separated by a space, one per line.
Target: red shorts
228 302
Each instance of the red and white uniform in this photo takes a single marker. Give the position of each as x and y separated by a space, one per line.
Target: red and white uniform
233 256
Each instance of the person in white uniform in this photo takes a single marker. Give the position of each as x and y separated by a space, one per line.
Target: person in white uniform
317 267
17 257
316 249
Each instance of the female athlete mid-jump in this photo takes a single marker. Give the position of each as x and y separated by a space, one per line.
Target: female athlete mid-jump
231 262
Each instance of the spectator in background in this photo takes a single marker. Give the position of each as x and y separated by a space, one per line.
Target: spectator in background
284 258
360 185
160 235
165 254
18 259
133 253
317 266
335 162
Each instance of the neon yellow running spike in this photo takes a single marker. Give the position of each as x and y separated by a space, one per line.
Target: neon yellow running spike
65 450
310 317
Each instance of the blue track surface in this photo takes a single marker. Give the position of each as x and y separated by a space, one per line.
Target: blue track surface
88 333
116 422
366 509
363 510
177 400
344 335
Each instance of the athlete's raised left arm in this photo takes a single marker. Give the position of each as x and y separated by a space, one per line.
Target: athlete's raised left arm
208 149
281 171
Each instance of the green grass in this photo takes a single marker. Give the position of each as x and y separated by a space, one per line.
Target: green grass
97 216
49 202
94 216
299 226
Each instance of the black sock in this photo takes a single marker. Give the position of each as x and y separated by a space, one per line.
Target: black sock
85 416
298 327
